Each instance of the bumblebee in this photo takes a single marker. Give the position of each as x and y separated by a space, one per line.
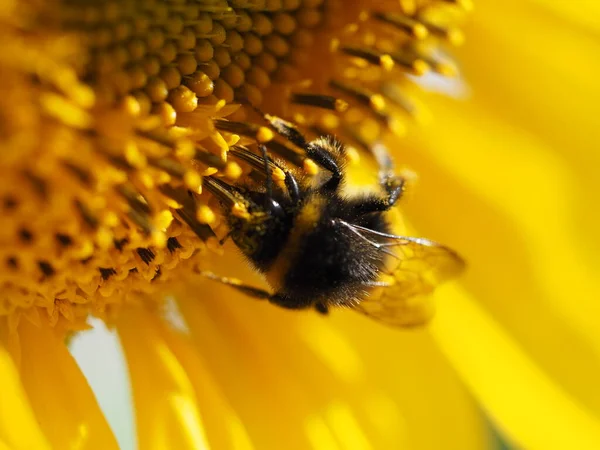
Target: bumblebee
320 247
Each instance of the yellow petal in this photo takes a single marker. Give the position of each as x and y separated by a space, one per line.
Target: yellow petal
18 426
61 398
584 13
408 367
542 77
327 373
521 399
166 409
500 196
224 429
253 376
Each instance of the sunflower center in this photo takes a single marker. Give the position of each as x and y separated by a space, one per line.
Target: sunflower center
113 112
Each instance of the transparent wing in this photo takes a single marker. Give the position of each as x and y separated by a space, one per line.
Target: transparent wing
421 266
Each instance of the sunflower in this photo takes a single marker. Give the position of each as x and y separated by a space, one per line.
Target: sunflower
112 114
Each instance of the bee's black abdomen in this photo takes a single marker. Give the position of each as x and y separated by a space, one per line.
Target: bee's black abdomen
333 265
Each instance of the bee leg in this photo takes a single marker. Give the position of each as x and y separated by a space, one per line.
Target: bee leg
379 283
257 293
251 291
326 160
224 239
290 182
321 308
394 186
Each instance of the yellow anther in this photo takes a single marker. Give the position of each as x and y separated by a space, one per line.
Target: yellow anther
110 219
85 249
65 111
310 167
220 105
232 139
420 67
210 171
163 219
238 210
341 105
166 112
420 31
232 170
447 69
205 215
131 106
455 36
264 134
193 181
185 150
146 179
377 102
134 156
334 44
104 238
159 239
387 63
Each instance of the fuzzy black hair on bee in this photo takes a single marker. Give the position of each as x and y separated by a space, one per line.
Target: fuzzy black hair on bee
317 247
